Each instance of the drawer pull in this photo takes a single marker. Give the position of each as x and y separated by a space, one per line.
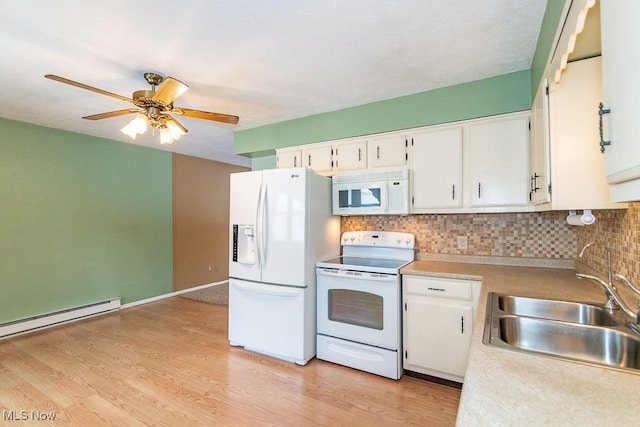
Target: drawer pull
462 324
436 289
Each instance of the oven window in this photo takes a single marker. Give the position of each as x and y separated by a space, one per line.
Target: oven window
360 197
356 308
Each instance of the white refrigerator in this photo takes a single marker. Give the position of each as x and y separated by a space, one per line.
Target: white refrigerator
281 224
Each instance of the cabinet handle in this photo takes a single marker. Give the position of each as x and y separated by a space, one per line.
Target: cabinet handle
309 160
601 112
479 190
359 154
462 324
295 161
453 192
378 152
534 182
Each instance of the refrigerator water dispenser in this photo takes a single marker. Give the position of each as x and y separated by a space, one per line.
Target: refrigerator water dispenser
244 246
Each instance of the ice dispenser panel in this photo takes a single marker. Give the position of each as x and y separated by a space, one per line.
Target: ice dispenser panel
244 244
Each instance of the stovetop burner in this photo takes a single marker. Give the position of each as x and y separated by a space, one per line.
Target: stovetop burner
373 251
391 266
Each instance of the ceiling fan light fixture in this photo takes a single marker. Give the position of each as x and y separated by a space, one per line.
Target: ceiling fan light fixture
136 126
170 132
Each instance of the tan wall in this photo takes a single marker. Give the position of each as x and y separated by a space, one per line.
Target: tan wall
200 221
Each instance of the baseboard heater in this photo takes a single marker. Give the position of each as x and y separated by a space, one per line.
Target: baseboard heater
43 321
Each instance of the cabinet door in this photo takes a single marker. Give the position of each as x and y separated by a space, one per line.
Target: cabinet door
288 158
318 158
437 169
351 155
438 336
498 162
539 154
388 150
577 164
621 87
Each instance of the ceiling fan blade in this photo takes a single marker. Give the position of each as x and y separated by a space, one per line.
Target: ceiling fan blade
169 90
184 129
111 114
216 117
87 87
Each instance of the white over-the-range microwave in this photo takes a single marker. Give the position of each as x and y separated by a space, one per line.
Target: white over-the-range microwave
376 193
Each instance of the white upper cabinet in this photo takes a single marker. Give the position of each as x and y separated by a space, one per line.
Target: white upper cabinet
577 165
437 168
387 150
540 173
620 31
498 161
350 154
318 157
289 158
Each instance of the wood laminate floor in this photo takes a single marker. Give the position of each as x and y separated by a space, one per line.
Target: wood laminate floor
169 363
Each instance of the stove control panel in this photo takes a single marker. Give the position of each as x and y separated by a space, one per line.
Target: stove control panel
386 239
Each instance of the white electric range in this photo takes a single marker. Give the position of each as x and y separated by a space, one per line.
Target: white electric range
359 302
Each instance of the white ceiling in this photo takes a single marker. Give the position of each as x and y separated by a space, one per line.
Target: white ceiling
265 61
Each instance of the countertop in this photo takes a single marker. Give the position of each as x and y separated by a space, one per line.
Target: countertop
503 387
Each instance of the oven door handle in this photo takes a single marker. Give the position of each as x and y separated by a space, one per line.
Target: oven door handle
356 275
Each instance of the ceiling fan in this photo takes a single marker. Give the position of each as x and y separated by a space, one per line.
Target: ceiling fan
152 107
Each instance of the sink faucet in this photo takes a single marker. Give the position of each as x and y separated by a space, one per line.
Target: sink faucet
637 292
612 293
613 299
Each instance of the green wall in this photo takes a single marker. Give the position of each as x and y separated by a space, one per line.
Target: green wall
495 95
82 219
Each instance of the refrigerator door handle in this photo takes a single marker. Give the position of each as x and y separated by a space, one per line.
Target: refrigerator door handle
260 224
259 230
264 228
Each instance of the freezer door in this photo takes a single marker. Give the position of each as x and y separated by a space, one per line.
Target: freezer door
269 319
244 260
285 228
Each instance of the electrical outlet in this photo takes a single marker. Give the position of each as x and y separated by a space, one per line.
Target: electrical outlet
210 268
462 243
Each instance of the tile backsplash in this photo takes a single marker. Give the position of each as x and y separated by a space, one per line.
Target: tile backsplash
620 231
526 235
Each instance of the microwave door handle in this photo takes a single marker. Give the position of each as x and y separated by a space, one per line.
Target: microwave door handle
384 195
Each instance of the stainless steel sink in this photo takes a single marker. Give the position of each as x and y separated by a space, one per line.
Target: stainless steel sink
567 330
585 314
583 343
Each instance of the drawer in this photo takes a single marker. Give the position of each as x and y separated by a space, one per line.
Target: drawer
438 287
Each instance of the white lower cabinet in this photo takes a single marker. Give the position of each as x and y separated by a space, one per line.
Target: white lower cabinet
437 325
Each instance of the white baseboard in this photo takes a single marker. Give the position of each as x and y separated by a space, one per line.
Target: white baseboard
173 294
48 320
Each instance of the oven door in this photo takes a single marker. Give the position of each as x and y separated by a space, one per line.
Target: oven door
360 198
359 306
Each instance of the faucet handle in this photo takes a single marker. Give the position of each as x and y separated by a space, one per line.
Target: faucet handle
628 283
